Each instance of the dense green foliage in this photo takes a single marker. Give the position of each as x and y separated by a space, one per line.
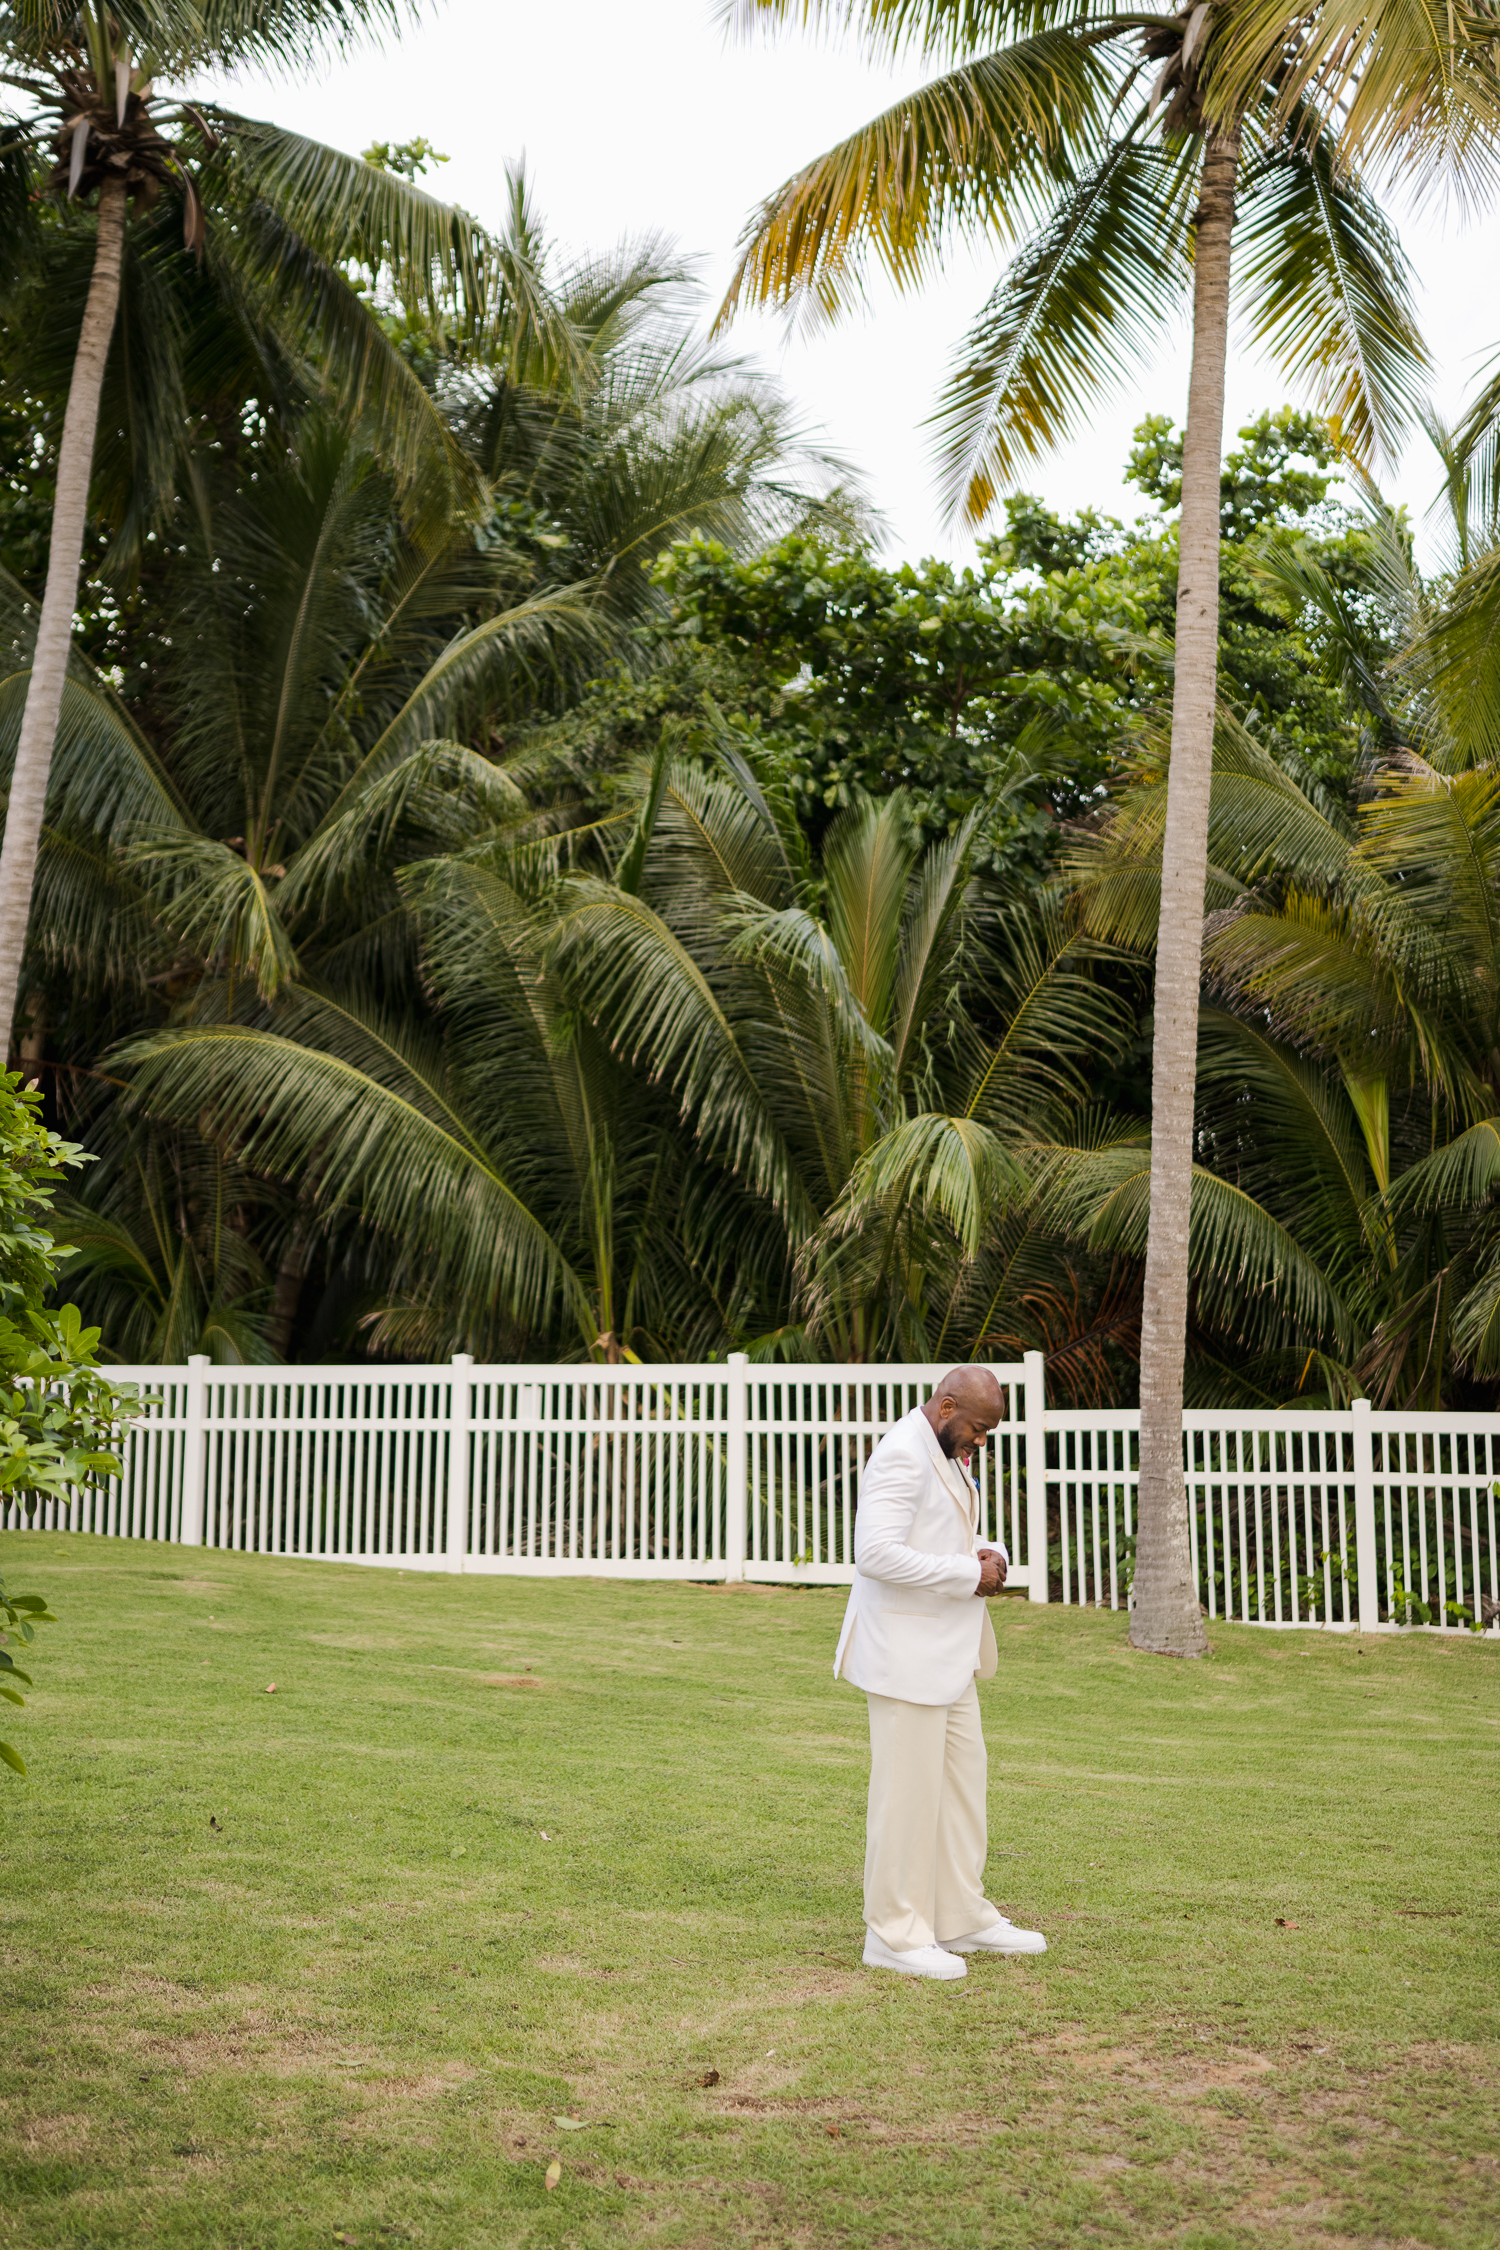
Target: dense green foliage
1020 682
608 910
756 992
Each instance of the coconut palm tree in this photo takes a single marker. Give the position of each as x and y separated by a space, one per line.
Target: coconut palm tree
516 1187
276 217
336 688
1343 1236
1126 198
820 1023
315 658
604 425
670 1089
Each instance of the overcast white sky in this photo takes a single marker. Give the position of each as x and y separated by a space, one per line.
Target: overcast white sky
632 119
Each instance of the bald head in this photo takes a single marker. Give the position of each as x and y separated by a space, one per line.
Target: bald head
963 1410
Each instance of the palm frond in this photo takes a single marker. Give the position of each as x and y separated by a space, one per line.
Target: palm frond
1259 821
952 1167
1078 307
1286 1130
1249 1263
796 948
1328 290
1058 1018
364 1129
1409 88
346 211
1438 836
931 933
1461 1175
957 154
637 979
1456 663
521 646
337 340
868 857
219 905
443 791
894 28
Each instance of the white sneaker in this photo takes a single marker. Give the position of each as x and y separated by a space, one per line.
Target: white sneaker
1000 1937
924 1961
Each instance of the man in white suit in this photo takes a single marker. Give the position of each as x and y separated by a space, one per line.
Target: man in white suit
917 1634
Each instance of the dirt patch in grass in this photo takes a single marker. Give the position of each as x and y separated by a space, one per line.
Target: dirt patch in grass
54 2136
272 2051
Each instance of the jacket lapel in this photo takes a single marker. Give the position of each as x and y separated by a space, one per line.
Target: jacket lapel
954 1477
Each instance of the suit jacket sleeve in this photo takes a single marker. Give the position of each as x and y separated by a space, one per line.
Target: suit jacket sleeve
888 1501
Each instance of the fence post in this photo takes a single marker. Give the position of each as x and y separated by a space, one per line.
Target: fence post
195 1450
1366 1562
737 1468
460 1425
1036 1475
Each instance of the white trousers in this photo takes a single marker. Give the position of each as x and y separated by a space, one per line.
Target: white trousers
927 1832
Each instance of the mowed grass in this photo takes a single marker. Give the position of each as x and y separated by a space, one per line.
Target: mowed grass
500 1852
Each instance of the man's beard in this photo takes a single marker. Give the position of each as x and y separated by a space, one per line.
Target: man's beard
948 1442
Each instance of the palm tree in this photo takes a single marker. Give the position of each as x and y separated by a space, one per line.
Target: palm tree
324 669
277 216
159 1248
315 657
518 1184
604 425
516 1188
1126 206
318 659
856 1037
1344 1238
668 1093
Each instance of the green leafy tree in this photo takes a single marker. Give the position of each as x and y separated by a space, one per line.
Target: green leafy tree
1022 681
57 1413
950 686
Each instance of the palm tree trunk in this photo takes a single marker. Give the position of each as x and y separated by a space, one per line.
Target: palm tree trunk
287 1295
49 663
1166 1616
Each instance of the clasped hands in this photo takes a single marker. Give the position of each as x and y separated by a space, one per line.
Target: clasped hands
992 1570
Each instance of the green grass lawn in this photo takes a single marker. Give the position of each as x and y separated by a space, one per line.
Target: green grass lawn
498 1853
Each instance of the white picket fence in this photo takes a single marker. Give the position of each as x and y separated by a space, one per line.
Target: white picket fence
729 1471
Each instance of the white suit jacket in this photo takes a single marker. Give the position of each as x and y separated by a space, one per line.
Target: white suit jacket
914 1628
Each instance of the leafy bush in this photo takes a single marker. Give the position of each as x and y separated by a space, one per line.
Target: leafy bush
58 1415
20 1615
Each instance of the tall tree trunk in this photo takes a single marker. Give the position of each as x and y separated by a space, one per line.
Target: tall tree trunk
287 1295
49 664
1166 1616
